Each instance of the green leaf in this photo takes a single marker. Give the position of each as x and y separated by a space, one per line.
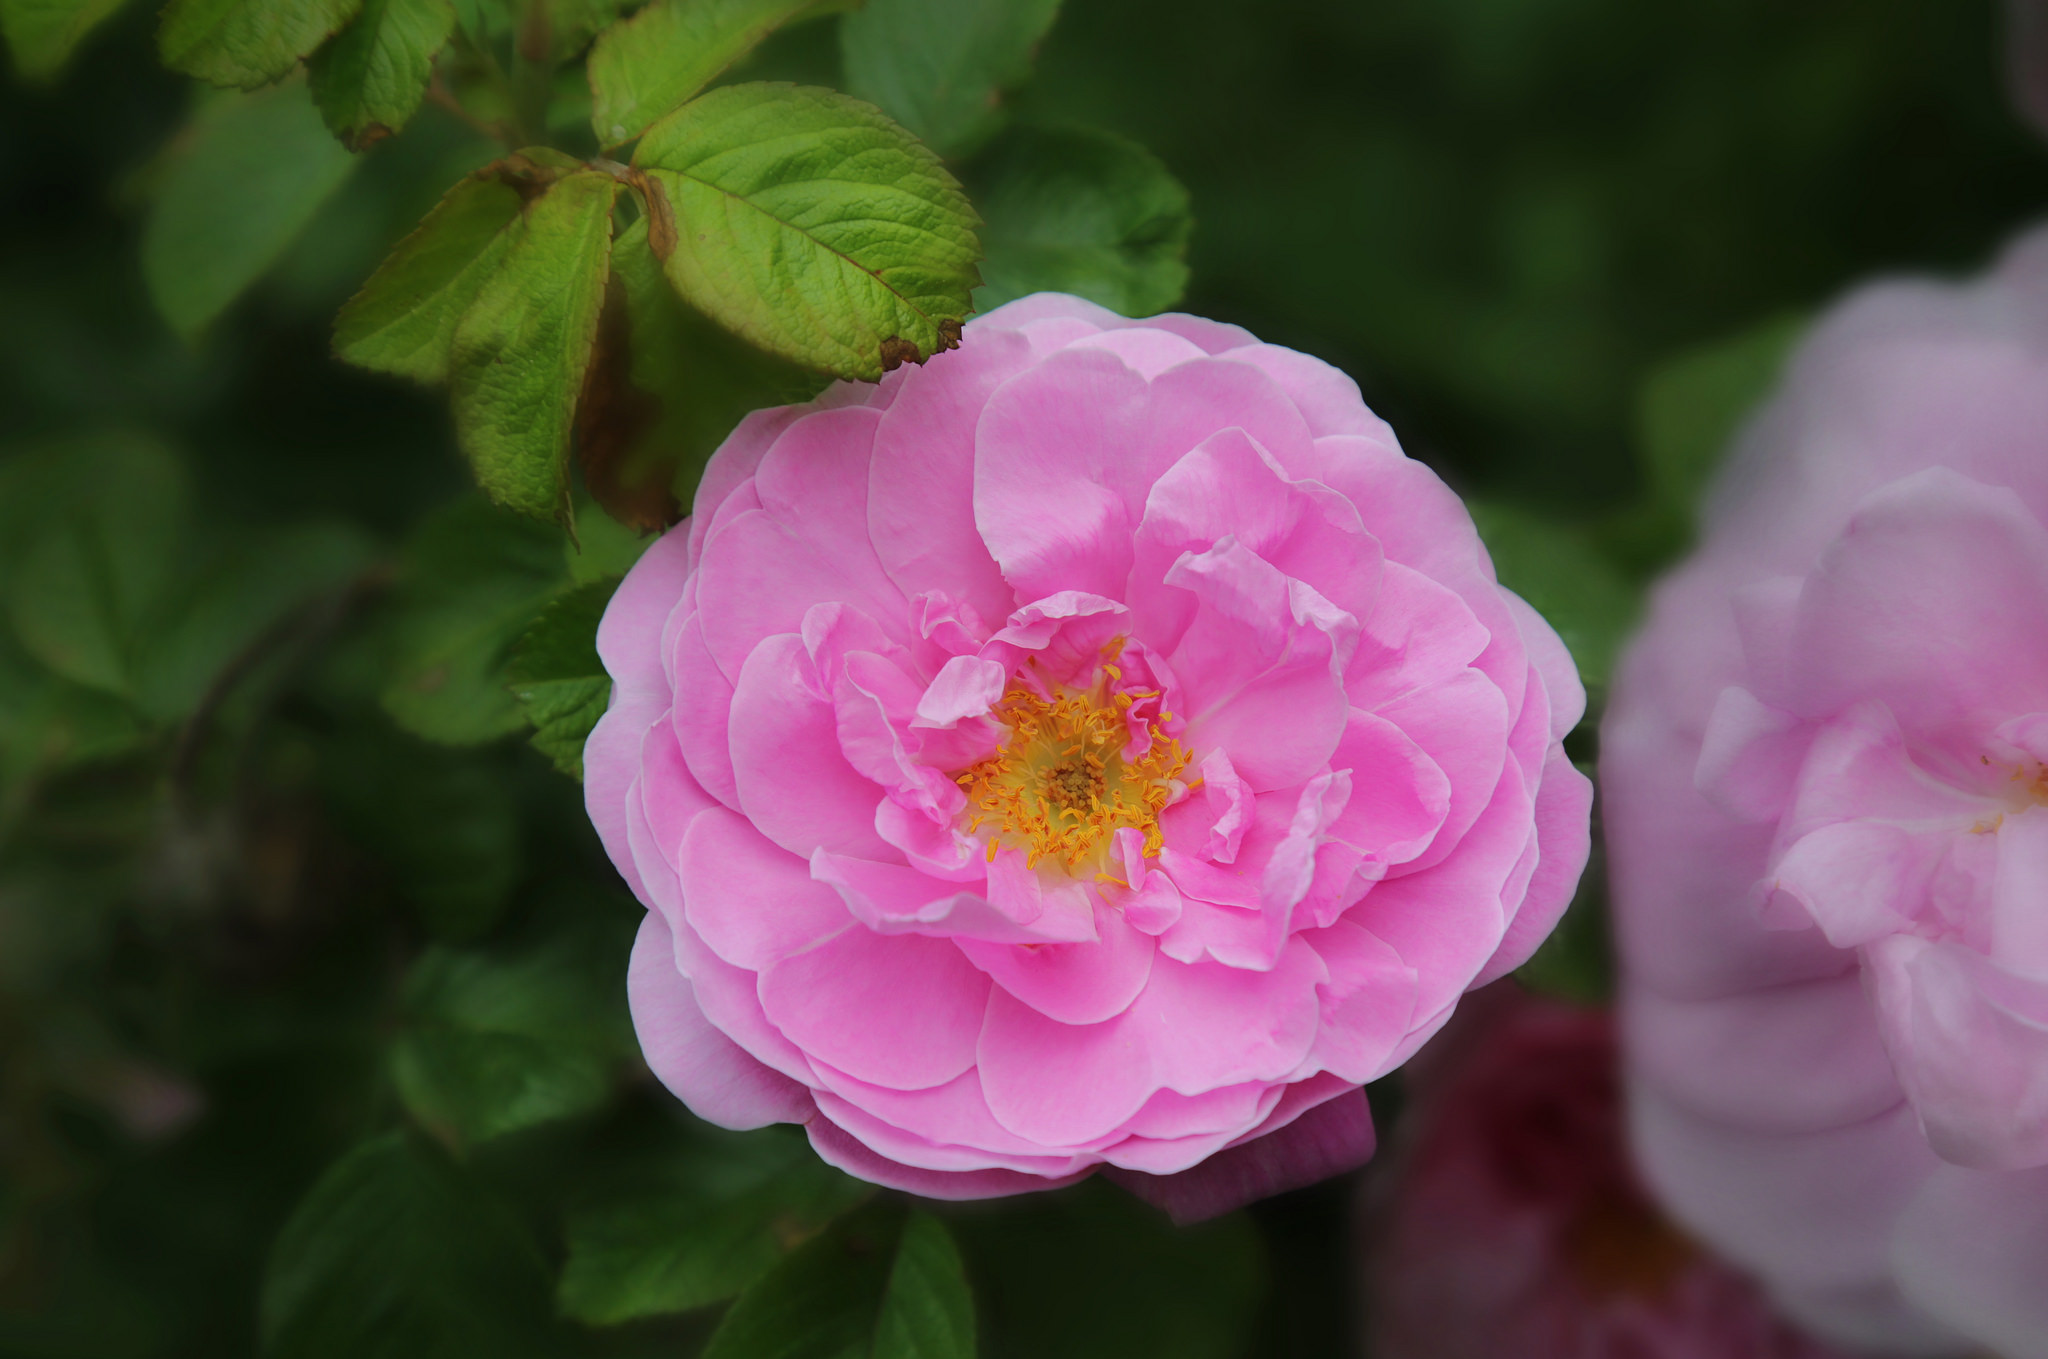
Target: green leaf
243 181
502 1038
94 539
396 1252
369 80
939 67
556 674
471 583
403 321
1091 1273
1689 407
694 1224
1556 568
666 387
42 34
875 1286
254 584
648 65
1079 211
811 225
522 348
928 1310
247 43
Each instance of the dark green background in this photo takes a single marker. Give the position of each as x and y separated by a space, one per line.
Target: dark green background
1499 215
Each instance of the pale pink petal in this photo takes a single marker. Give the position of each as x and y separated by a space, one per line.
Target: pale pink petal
1970 1042
1327 398
838 1148
1564 840
793 782
1329 1138
1972 1249
1073 983
751 902
700 1065
1935 574
898 1010
893 899
1368 1004
1192 1029
701 722
920 501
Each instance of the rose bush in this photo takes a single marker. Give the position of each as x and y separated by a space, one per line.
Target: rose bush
1827 812
1098 747
1512 1222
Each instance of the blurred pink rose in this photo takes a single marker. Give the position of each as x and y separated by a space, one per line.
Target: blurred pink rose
1828 820
1512 1224
1098 747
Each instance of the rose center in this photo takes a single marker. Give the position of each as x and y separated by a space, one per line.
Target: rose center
1075 770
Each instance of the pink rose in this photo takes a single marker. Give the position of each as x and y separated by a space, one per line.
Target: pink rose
1097 747
1511 1223
1826 771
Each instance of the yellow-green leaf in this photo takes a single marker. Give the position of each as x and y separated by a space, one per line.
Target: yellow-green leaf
523 346
246 43
812 225
370 79
403 321
644 67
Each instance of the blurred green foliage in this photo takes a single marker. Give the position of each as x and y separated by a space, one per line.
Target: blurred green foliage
311 1020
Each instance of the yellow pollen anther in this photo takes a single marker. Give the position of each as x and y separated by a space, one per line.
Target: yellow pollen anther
1063 786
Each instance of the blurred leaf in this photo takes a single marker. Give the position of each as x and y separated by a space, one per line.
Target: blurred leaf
643 68
573 23
445 823
370 78
666 387
1091 1273
396 1253
94 537
523 346
43 33
505 1037
253 585
880 1284
47 723
1085 212
242 181
708 1215
1556 568
403 321
1689 408
247 43
471 582
556 674
811 225
939 67
928 1310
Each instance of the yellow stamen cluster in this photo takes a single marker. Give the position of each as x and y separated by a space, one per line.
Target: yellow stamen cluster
1061 788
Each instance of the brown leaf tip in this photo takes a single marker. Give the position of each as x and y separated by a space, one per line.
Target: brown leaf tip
897 351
